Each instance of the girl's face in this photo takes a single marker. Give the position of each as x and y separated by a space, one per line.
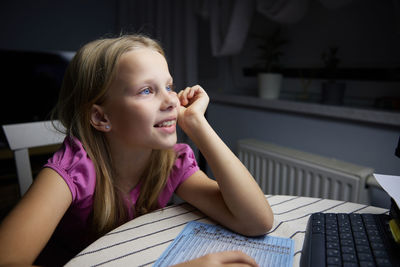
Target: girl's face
141 106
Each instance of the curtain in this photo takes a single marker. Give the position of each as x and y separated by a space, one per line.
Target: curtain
174 24
283 11
230 22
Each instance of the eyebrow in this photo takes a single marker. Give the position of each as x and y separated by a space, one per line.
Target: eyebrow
151 79
148 81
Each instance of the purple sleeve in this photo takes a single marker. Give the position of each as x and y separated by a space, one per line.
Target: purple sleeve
72 163
185 166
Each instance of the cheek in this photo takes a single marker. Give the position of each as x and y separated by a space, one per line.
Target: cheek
136 117
131 127
129 116
122 115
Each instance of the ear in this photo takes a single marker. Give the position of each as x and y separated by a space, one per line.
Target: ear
99 120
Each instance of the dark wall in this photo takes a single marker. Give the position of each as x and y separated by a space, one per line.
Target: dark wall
54 25
35 36
38 38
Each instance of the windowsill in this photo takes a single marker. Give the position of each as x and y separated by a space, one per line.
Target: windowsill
386 118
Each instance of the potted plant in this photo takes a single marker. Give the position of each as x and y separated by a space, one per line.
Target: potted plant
269 75
332 91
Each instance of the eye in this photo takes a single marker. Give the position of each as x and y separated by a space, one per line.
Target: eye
145 91
170 88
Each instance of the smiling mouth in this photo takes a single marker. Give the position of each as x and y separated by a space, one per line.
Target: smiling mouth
165 124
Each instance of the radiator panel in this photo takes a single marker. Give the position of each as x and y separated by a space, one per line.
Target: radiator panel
283 171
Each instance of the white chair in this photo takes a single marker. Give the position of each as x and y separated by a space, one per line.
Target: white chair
23 136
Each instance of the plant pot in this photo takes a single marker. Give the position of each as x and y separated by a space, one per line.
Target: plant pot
333 93
269 85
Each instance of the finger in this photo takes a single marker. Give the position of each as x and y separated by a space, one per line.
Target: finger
180 97
195 92
187 96
183 96
196 89
191 92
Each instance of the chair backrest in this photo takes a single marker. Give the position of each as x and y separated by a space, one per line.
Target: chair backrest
21 137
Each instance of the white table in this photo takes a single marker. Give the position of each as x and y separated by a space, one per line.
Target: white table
141 241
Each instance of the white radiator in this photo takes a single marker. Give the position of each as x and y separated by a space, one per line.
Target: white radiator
284 171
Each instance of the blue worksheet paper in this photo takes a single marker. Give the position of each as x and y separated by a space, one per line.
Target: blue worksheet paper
198 239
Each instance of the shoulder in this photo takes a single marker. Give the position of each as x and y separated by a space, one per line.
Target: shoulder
185 164
184 152
73 164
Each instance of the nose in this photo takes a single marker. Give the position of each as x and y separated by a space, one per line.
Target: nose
169 100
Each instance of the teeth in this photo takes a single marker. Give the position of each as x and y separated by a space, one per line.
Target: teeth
166 123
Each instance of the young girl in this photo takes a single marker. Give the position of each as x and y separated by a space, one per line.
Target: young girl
120 159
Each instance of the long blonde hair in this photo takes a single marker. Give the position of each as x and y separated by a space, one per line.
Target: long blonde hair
86 82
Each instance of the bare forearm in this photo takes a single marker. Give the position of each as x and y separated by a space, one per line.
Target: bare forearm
236 200
241 194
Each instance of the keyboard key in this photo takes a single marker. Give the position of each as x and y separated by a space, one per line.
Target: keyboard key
374 239
330 216
318 216
332 238
367 264
346 249
365 257
357 224
350 264
363 249
368 217
349 257
344 224
362 241
383 262
333 260
377 246
318 229
332 245
343 218
333 252
331 232
380 254
318 222
346 236
345 229
370 226
346 242
372 232
331 227
360 235
355 216
358 228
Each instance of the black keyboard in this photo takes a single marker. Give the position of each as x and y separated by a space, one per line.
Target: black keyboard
339 239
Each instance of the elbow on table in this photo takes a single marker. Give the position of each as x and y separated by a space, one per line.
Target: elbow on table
261 227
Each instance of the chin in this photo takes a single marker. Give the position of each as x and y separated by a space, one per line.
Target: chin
167 145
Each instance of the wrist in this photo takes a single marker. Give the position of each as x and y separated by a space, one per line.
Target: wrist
192 123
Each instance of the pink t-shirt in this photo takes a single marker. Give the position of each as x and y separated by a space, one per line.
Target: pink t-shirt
76 168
